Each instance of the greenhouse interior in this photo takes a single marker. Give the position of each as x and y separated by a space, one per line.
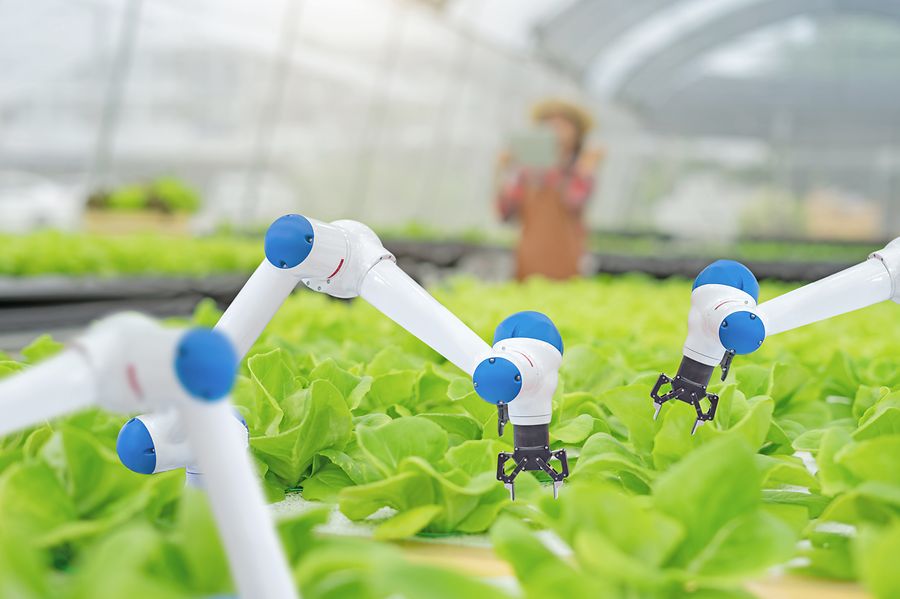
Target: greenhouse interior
445 299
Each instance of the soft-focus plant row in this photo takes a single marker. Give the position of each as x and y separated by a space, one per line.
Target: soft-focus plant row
799 471
54 253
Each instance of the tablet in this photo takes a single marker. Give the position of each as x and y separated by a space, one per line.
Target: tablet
534 148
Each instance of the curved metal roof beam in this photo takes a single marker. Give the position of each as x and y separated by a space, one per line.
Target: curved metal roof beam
653 37
862 113
576 35
653 78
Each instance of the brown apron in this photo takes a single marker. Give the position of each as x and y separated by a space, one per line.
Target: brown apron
553 236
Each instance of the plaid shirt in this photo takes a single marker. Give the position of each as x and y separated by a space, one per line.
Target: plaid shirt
576 189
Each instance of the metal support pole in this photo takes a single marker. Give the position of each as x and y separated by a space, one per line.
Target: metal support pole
104 146
270 113
446 118
373 122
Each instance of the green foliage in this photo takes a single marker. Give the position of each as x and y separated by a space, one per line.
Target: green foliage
175 196
798 470
128 198
69 254
655 245
167 195
42 347
50 252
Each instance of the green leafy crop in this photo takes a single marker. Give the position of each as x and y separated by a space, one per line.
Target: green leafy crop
799 472
167 195
70 254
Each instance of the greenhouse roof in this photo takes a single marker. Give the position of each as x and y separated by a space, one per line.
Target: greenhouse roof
801 69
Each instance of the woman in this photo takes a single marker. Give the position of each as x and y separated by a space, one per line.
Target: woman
549 202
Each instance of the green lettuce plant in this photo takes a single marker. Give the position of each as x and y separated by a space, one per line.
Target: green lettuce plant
799 471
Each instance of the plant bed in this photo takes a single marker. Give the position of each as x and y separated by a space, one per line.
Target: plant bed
107 222
155 253
162 206
75 255
798 475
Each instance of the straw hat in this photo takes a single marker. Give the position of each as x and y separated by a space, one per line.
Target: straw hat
570 111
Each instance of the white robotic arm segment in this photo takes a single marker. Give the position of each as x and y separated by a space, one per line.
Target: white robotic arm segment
158 442
127 362
875 280
520 377
306 247
154 442
846 291
205 366
258 563
296 248
364 252
125 353
711 305
890 257
123 363
331 258
349 260
346 259
60 385
342 259
255 305
397 296
723 321
719 326
110 366
537 363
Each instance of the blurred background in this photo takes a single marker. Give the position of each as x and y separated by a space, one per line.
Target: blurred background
765 130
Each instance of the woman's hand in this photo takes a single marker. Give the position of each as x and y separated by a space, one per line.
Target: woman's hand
589 160
504 161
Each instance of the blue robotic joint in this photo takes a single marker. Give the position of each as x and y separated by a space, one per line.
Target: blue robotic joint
724 319
520 378
346 259
722 323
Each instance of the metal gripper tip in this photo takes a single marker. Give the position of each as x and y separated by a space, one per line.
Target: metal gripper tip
511 487
658 407
556 485
697 424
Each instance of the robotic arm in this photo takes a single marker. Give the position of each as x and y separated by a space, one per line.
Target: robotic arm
127 363
140 453
520 377
345 259
725 320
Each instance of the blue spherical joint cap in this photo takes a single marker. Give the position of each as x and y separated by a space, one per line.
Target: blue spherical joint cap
289 241
206 364
497 380
730 273
135 447
531 325
743 332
